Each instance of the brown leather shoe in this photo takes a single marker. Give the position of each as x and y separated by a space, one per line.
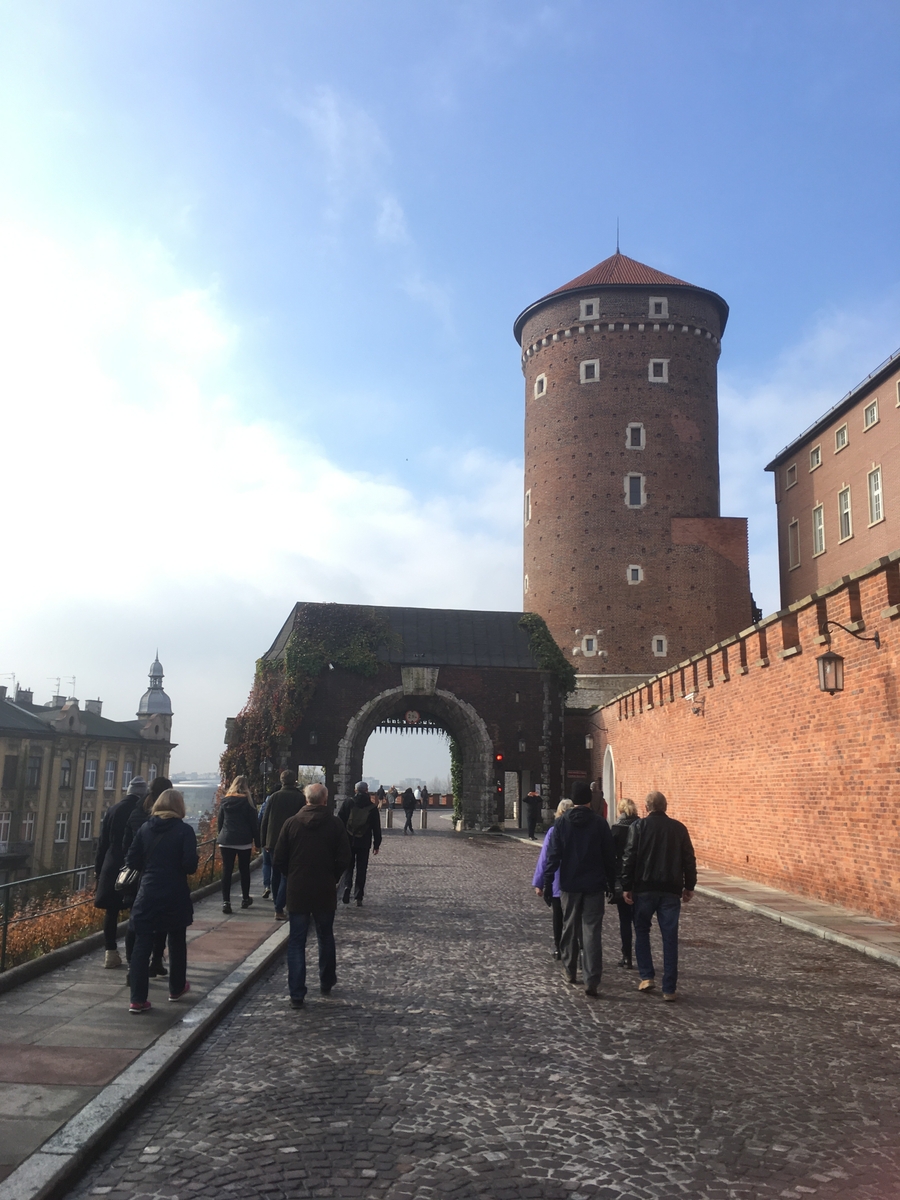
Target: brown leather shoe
646 985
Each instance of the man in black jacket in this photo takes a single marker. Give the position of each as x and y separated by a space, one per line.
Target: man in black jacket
282 805
581 849
363 824
659 870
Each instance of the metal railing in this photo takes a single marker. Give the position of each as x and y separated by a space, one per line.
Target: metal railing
15 915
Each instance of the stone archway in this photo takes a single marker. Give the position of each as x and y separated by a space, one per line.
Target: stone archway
457 717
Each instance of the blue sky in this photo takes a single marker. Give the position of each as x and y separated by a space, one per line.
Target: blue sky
261 264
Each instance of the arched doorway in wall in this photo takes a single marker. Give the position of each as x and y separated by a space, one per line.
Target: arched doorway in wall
609 784
443 710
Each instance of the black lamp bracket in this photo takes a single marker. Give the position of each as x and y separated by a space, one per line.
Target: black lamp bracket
875 638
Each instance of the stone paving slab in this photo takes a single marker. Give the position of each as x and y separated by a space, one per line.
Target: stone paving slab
453 1060
66 1036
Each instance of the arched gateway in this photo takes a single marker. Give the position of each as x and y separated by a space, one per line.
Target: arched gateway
494 681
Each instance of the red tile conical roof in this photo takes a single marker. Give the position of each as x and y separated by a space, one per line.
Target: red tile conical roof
619 269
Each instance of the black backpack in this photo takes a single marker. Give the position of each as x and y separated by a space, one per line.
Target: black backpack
358 820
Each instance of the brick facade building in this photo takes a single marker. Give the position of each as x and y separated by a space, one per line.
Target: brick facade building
626 556
837 487
777 780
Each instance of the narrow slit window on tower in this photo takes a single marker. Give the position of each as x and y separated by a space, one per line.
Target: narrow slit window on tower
658 371
588 647
794 545
525 588
659 306
660 645
634 436
589 370
634 491
540 386
590 309
635 573
528 506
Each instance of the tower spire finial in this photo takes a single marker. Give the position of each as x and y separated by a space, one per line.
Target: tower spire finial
617 235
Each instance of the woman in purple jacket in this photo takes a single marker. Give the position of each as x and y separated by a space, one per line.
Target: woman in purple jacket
537 882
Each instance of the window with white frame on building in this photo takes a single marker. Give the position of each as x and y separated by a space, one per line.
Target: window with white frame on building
28 827
634 436
33 771
794 544
658 370
818 521
635 573
876 506
790 476
109 775
90 775
660 645
589 370
528 506
86 826
81 879
590 309
841 438
152 772
127 775
65 773
634 491
870 414
540 386
61 829
659 306
845 515
5 826
589 646
815 457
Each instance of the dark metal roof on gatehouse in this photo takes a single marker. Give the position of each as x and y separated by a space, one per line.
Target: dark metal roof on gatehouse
440 637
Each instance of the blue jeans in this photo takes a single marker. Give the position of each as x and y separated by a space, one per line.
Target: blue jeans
296 952
668 909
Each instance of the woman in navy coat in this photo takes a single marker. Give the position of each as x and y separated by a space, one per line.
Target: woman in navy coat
165 851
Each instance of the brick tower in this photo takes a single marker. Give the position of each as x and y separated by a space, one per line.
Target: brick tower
622 526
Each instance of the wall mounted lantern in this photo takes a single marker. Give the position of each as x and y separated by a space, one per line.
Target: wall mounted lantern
521 745
588 741
831 665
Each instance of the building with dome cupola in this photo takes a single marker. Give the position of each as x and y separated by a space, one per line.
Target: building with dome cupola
626 555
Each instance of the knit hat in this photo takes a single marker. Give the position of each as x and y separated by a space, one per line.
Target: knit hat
138 786
581 792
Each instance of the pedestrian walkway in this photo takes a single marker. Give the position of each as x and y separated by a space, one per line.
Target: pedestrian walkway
452 1060
67 1035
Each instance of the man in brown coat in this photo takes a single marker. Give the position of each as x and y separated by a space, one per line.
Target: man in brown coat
312 853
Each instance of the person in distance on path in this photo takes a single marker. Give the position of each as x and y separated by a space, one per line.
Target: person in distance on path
551 895
312 853
284 803
410 803
627 817
582 851
532 811
238 831
110 860
659 870
363 824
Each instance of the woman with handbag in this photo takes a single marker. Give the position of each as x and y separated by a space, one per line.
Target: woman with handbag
139 814
165 852
238 825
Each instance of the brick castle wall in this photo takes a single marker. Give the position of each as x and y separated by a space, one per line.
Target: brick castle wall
776 780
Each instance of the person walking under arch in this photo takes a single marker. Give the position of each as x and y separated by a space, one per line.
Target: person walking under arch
283 804
238 832
533 804
363 824
410 803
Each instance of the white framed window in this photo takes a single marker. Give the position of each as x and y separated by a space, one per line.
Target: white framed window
61 829
815 457
790 476
525 584
28 827
5 826
528 506
659 306
590 309
658 370
870 414
540 386
90 775
818 523
635 573
845 514
86 826
81 879
794 545
589 370
841 438
109 775
876 507
127 775
589 646
659 645
635 496
898 393
634 436
152 772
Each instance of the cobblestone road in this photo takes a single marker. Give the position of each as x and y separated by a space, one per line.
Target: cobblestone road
452 1060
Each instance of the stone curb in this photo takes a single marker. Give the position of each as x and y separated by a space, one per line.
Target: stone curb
820 931
66 954
50 1171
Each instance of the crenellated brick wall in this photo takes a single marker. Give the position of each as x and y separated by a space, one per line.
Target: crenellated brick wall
776 780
